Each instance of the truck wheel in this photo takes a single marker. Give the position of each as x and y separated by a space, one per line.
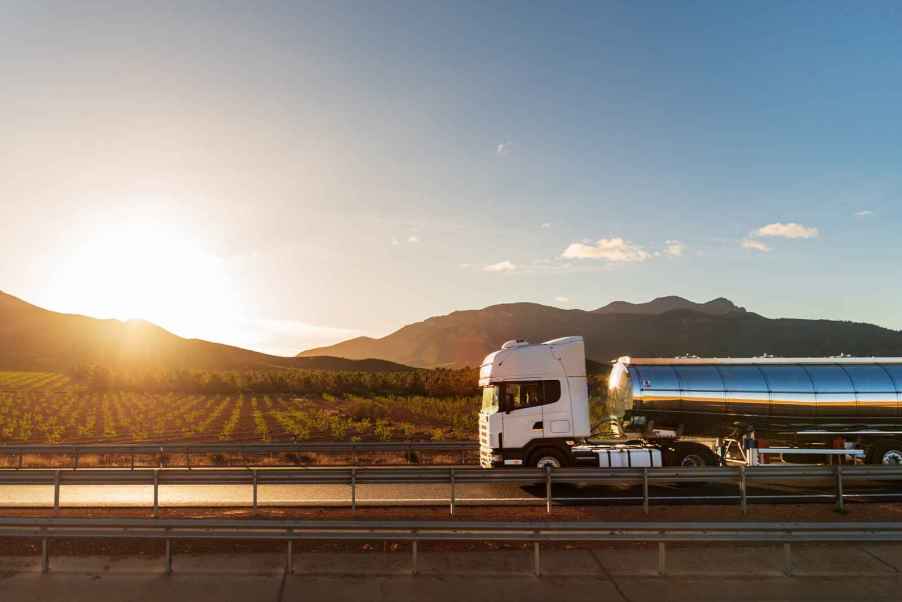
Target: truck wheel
547 457
689 455
887 452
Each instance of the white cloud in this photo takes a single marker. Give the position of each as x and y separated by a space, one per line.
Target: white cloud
674 248
790 230
413 238
754 245
608 249
864 213
501 266
562 299
546 225
503 149
394 241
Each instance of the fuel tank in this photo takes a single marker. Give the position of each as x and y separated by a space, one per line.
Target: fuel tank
702 394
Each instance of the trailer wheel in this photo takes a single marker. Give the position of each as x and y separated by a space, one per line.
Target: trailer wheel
547 457
887 452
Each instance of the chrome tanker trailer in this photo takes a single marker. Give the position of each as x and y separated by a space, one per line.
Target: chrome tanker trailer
687 411
811 403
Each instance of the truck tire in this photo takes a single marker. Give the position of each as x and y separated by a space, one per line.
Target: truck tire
547 456
888 451
689 455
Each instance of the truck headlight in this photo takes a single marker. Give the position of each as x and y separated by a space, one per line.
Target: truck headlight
497 458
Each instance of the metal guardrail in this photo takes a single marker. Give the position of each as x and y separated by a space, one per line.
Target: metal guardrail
244 449
835 477
414 532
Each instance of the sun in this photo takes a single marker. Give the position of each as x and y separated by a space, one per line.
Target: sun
149 271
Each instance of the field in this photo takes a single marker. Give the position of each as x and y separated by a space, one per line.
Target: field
47 408
25 381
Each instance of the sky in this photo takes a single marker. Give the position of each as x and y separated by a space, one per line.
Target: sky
281 176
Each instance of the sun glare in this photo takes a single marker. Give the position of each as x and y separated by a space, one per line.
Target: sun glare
151 272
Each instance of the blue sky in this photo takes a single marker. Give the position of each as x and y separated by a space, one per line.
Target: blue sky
316 171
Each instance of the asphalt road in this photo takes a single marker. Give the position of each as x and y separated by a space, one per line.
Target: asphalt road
621 573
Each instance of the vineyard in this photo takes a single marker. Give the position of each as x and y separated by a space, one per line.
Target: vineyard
21 381
47 408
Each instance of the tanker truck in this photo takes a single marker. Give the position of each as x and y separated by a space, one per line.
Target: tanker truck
686 411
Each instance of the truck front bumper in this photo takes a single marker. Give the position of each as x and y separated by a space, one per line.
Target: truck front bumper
489 458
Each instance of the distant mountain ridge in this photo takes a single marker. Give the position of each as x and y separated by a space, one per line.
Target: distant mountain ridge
32 338
667 326
715 307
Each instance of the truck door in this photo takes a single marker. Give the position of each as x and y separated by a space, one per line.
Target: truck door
556 409
522 421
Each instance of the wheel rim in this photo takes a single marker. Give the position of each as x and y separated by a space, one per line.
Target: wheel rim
892 456
548 461
692 461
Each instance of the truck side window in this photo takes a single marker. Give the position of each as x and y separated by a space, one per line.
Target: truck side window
533 393
552 390
530 394
514 399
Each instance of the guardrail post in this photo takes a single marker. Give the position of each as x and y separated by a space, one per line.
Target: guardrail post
645 490
188 457
289 560
56 492
353 454
463 456
168 556
45 555
787 559
548 488
354 489
452 491
413 556
537 557
840 501
255 490
742 491
161 457
133 461
19 465
662 558
75 464
156 492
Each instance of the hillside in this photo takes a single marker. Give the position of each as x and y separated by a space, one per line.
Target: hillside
32 338
715 307
668 326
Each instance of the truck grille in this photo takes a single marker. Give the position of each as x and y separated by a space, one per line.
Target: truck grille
485 445
484 433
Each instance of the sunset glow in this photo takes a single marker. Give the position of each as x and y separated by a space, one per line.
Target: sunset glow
151 272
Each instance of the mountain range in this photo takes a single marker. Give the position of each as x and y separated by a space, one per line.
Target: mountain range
667 327
32 338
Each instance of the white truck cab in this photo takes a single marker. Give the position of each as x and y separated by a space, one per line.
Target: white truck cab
535 400
535 410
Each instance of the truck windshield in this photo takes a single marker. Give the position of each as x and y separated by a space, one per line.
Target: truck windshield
490 399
